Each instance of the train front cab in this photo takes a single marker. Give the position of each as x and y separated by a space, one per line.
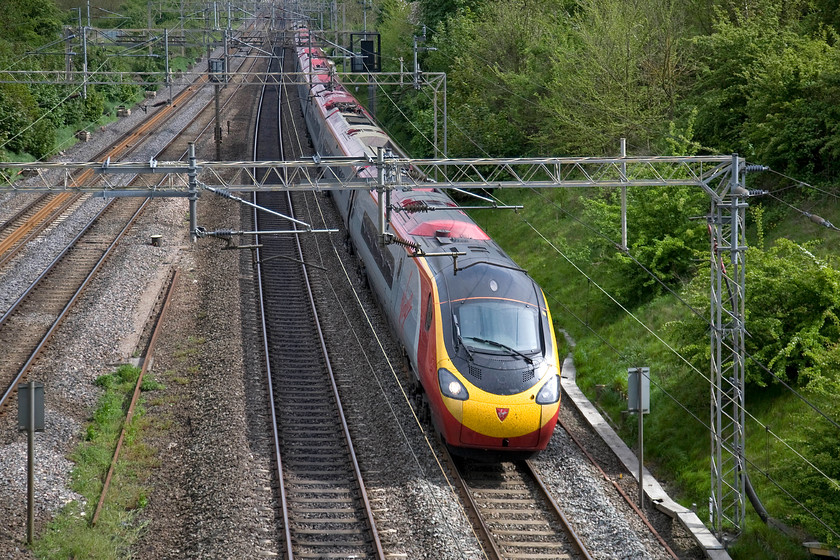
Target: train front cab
481 423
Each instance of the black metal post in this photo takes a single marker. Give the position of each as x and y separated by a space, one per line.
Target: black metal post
30 466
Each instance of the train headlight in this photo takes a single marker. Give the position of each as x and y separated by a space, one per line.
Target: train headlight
550 392
450 386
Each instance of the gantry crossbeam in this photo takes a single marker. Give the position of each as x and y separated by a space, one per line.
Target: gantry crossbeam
708 172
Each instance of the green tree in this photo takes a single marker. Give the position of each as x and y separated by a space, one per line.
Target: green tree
661 237
793 316
21 128
29 22
498 64
433 12
620 77
767 91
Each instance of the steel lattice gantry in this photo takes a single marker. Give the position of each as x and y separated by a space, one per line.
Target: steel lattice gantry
721 177
728 285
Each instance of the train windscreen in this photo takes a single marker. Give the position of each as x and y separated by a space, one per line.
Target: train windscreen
497 325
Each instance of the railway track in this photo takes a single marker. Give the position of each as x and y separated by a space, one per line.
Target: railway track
26 224
514 513
27 325
32 318
322 496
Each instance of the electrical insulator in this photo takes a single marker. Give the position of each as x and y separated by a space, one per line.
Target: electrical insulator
753 168
819 220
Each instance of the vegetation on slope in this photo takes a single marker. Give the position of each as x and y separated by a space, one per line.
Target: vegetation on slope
38 119
760 78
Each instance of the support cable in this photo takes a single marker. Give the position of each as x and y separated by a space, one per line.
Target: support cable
813 217
798 183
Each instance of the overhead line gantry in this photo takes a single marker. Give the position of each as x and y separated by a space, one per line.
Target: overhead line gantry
720 177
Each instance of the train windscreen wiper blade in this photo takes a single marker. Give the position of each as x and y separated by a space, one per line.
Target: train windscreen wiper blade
461 340
502 345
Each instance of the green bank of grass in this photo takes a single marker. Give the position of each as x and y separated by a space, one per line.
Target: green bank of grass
609 340
70 534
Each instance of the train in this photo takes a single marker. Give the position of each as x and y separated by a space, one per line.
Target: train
476 331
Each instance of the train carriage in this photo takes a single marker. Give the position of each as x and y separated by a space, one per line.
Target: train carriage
477 331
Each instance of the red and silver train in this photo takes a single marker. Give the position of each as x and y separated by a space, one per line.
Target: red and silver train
479 338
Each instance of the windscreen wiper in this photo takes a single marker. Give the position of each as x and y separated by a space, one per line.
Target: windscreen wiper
501 345
461 340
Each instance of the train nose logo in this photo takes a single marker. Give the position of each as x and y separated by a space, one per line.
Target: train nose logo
502 413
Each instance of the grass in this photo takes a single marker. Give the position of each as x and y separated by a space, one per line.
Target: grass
70 534
609 340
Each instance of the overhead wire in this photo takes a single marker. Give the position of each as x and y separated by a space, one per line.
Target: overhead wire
799 183
775 483
813 217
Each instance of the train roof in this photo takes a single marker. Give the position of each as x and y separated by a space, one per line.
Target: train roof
442 229
445 229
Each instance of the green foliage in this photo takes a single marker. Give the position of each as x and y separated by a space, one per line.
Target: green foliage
792 116
94 106
767 91
33 116
820 494
433 12
29 22
498 65
530 77
619 77
150 384
760 542
21 127
793 315
661 237
69 534
792 307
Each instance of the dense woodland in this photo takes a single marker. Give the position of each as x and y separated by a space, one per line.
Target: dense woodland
760 78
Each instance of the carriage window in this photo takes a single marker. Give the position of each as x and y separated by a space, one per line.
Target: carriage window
489 321
382 255
429 311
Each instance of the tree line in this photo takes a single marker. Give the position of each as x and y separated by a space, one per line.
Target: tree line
676 77
760 78
32 115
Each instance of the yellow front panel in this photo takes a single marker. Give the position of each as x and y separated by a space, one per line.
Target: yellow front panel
485 419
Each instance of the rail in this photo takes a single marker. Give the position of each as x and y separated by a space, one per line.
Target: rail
514 513
322 495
